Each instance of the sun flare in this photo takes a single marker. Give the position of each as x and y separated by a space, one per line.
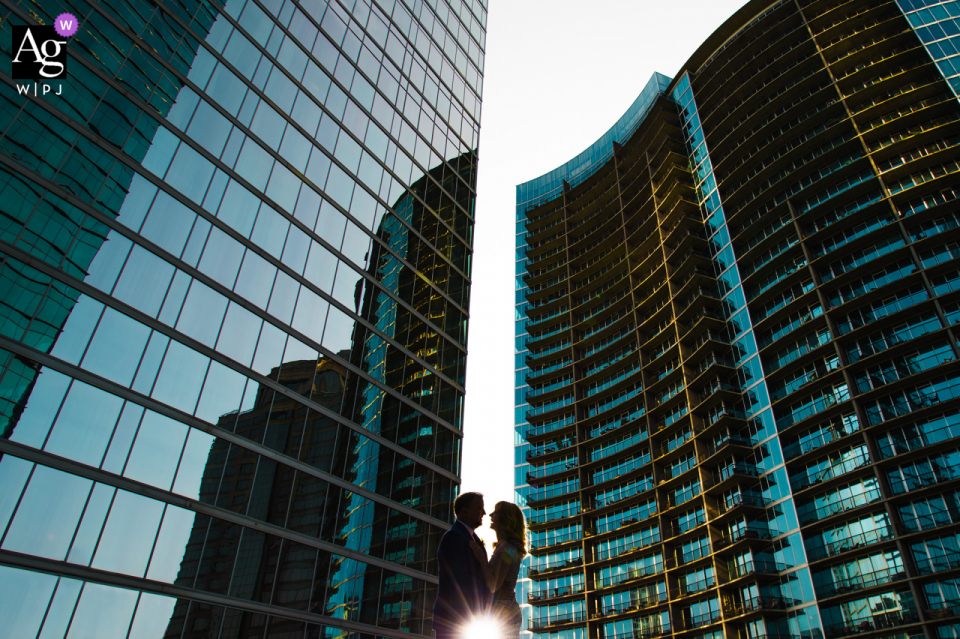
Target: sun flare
483 628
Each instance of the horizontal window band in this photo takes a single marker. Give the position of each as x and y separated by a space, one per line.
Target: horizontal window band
158 407
204 279
73 571
94 474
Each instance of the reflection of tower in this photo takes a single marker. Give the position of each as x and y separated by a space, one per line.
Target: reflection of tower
368 465
232 480
399 323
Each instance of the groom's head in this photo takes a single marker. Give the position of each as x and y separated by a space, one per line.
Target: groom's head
468 508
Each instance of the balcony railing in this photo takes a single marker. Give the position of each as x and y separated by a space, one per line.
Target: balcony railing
646 633
557 618
537 372
706 313
925 522
821 439
927 565
613 423
842 467
552 469
608 361
917 398
550 514
833 548
710 336
621 468
675 530
716 387
538 543
543 318
733 470
542 390
625 546
755 604
540 409
551 426
730 440
740 535
696 295
699 621
693 588
599 501
743 499
848 503
877 622
633 605
710 361
859 582
607 524
551 447
634 573
924 478
756 568
555 564
943 611
554 491
551 593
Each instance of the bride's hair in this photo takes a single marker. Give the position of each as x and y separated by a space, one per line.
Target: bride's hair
512 524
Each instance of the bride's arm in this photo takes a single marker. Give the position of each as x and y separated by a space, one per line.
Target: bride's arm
495 572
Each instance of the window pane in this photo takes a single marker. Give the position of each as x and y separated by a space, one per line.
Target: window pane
116 347
103 612
23 600
48 514
85 424
156 450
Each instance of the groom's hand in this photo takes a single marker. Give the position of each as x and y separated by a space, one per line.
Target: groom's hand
478 551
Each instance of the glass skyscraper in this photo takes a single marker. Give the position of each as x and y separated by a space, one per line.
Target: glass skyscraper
235 252
737 379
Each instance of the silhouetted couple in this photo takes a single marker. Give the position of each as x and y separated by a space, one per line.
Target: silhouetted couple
472 589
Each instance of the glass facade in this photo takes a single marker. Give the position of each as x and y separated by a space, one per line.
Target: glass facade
736 349
235 253
937 23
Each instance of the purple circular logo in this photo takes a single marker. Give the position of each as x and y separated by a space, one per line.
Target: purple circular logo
66 25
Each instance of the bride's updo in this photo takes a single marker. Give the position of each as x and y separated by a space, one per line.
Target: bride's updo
512 524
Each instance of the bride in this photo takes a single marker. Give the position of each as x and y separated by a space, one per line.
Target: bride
504 567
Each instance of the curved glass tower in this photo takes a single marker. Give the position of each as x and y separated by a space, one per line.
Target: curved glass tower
235 265
737 379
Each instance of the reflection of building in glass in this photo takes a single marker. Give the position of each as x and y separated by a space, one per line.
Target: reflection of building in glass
737 372
233 480
369 465
236 260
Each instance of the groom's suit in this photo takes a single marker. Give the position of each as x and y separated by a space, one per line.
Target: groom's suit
462 592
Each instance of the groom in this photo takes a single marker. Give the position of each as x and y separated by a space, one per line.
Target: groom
462 594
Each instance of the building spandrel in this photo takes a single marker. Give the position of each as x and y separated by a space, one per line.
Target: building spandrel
736 367
236 267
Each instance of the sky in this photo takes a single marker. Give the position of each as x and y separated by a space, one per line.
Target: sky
558 74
